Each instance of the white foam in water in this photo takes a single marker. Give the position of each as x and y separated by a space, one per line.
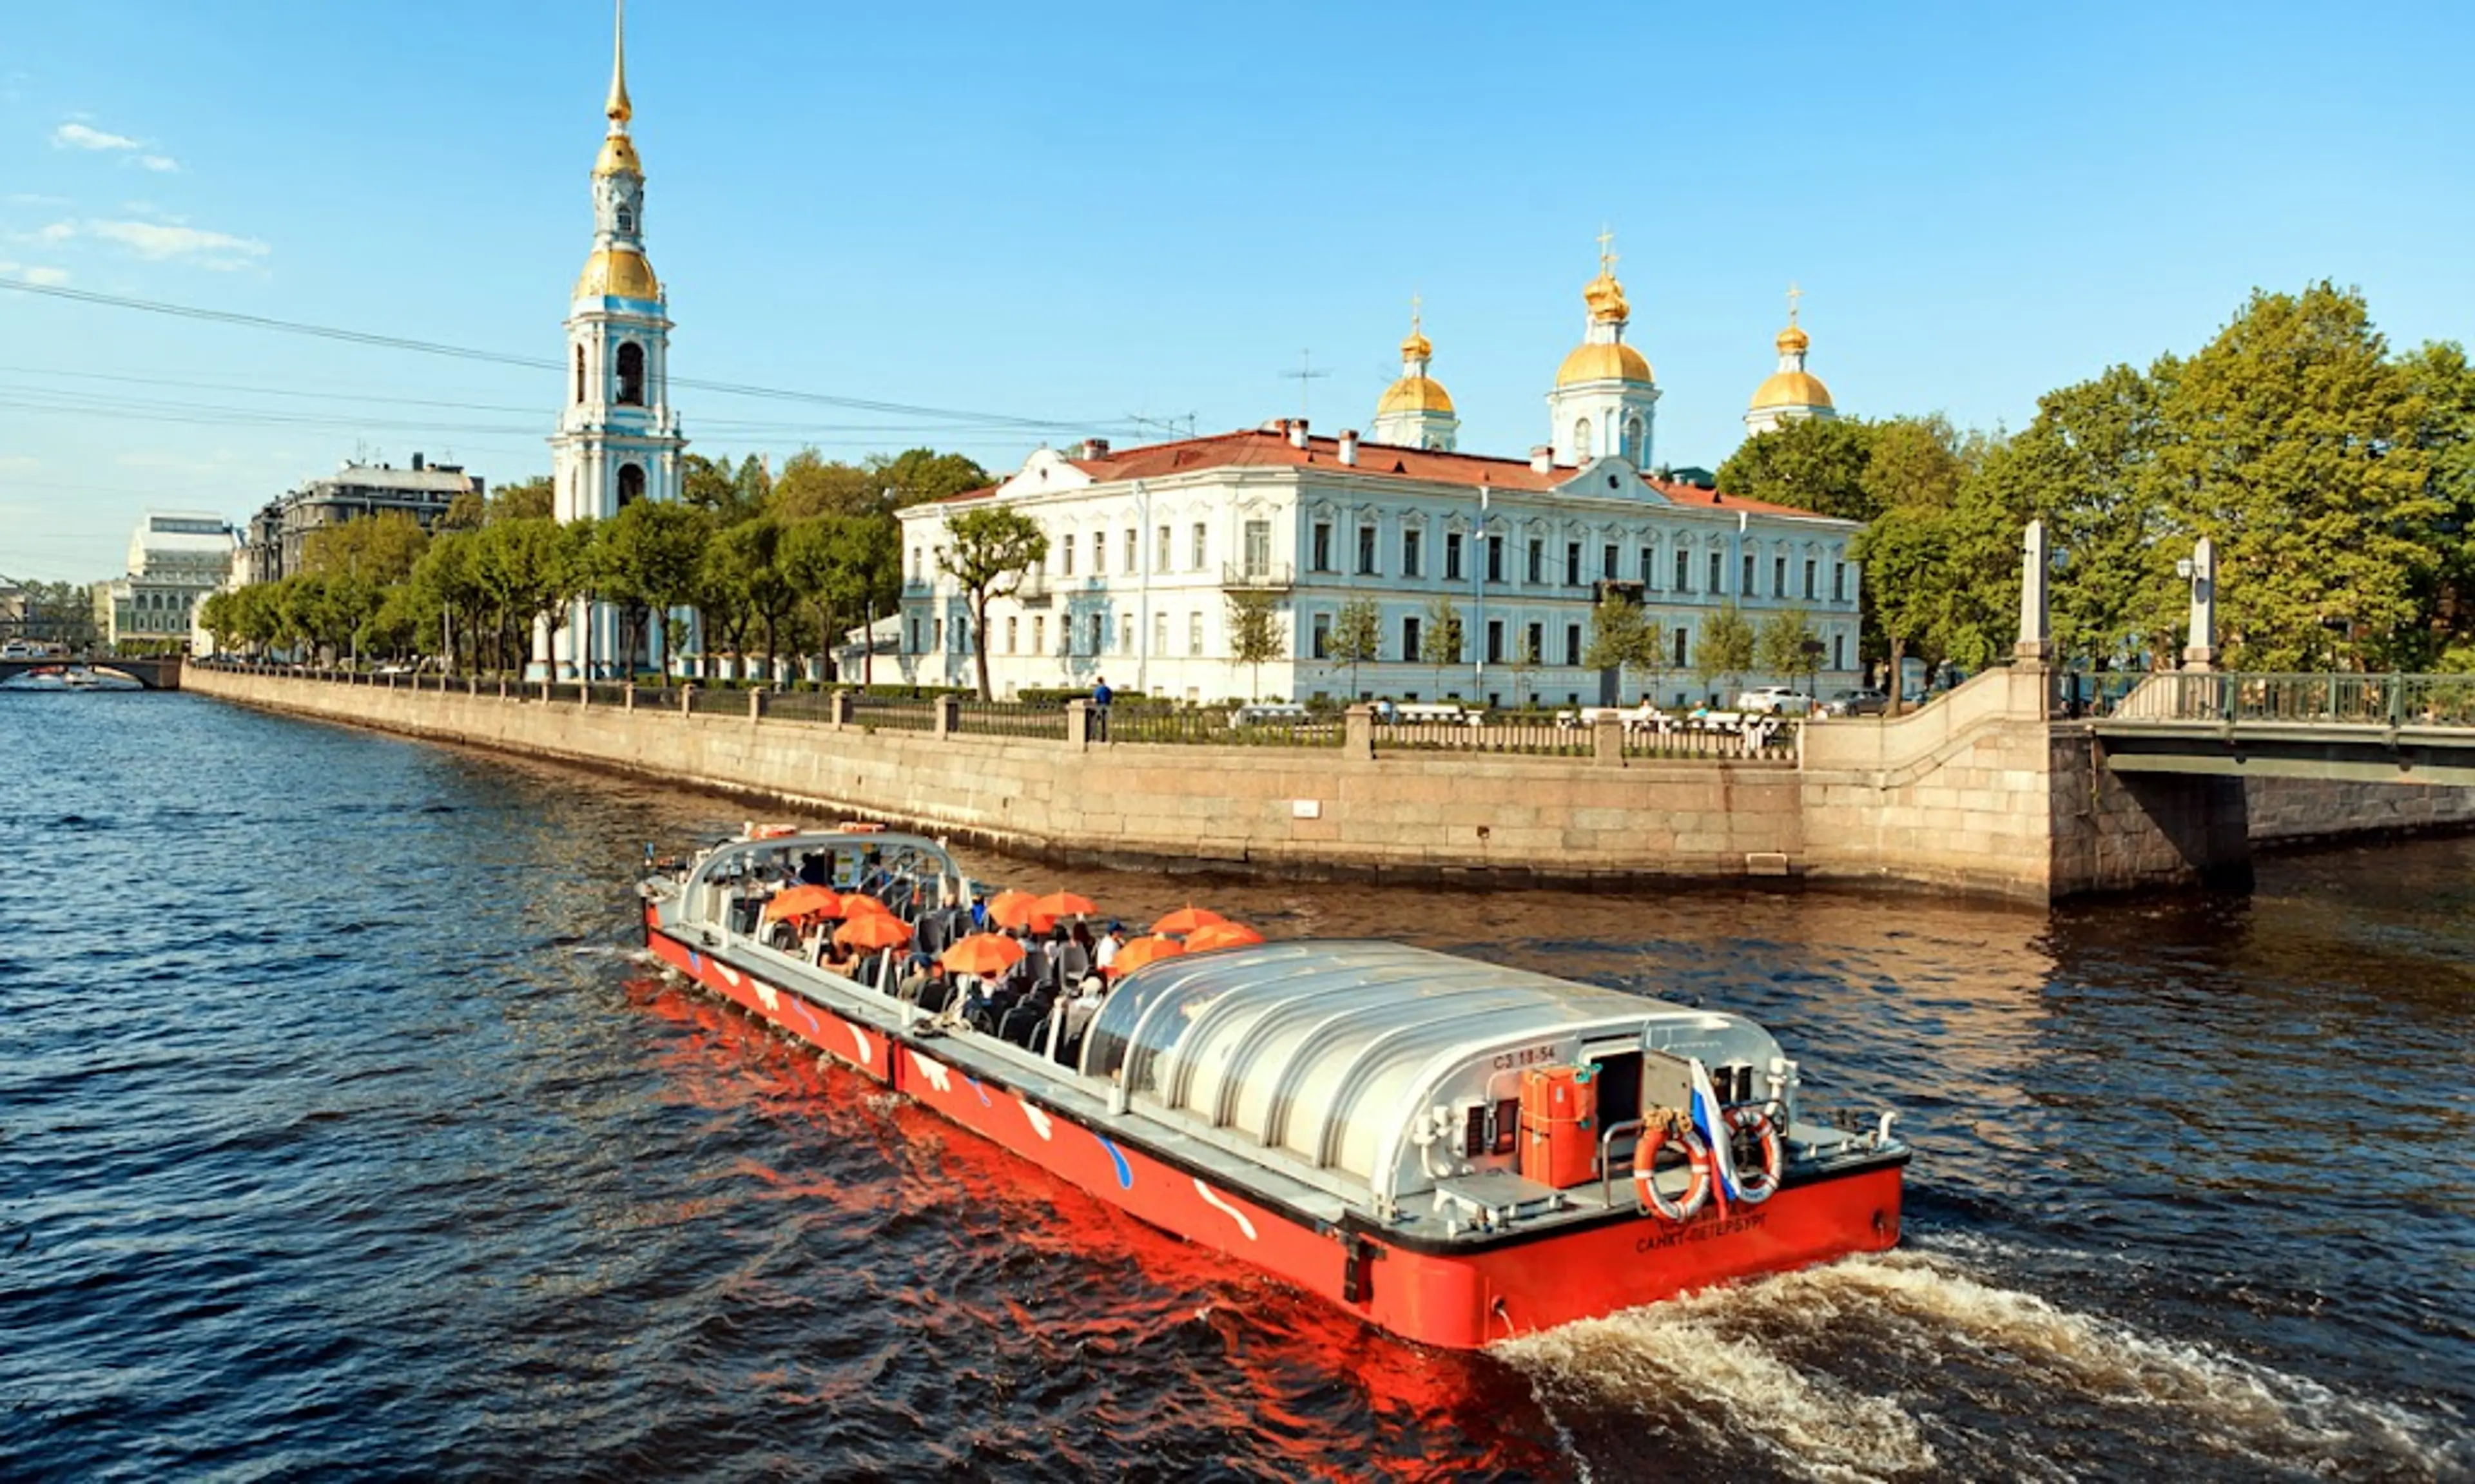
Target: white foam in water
1672 1360
1713 1361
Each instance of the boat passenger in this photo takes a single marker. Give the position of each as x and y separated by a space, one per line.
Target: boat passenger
815 871
1105 953
1074 960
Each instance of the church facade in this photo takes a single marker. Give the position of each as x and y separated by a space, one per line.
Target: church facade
619 438
1153 551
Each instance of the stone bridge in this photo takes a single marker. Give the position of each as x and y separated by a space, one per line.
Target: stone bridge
2395 729
161 674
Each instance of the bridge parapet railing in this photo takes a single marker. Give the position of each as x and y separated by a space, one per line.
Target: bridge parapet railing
2303 699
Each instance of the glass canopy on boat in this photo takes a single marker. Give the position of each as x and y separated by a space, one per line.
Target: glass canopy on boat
1324 1048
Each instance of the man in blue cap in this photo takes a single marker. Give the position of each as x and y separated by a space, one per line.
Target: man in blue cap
1105 952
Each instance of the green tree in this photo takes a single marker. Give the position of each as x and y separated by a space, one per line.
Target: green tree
651 556
1815 464
378 549
1787 645
2445 628
1357 637
1440 638
747 576
2294 441
987 553
917 476
1254 634
466 512
1526 660
1622 637
1724 650
524 500
823 559
810 484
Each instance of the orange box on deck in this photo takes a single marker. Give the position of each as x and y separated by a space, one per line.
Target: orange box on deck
1559 1127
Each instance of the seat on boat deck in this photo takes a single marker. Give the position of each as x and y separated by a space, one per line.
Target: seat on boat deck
1025 1020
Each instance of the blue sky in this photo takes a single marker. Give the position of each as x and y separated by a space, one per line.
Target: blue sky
1078 214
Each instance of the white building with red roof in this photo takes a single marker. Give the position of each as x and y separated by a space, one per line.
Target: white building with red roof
1148 546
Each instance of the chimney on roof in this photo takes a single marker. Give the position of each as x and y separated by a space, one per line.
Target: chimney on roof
1096 447
1542 458
1297 432
416 462
1349 446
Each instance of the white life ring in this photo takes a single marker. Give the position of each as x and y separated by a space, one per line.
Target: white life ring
1755 1187
1645 1169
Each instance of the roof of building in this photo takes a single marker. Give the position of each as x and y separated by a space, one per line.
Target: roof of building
434 479
1269 447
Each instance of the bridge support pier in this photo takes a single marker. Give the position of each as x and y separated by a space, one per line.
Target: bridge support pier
2121 831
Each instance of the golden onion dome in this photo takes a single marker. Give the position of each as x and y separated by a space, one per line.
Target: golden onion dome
1792 389
1603 362
618 156
1793 341
1418 347
1414 393
618 272
1605 298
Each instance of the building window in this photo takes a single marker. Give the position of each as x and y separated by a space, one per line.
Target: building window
1495 640
1412 563
1159 551
1160 634
1320 637
1747 587
1322 560
1039 634
914 647
1495 559
1200 547
915 564
1778 577
631 484
631 374
1685 572
1099 630
1636 441
1194 635
1099 555
1572 643
1127 634
1838 651
1718 569
1065 558
580 376
1812 570
1130 551
1010 624
1367 551
1839 582
1451 556
1571 564
1582 441
1259 548
1535 572
1648 568
939 628
1681 642
1533 643
1408 640
1608 562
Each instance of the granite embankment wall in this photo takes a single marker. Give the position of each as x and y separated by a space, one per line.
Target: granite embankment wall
1979 792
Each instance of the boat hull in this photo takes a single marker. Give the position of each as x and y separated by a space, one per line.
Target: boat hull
1457 1295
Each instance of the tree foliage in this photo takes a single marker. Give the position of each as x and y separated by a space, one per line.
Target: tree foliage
988 552
1622 637
1815 464
1725 649
1255 636
1357 637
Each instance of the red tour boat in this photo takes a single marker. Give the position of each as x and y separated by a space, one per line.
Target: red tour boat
1453 1151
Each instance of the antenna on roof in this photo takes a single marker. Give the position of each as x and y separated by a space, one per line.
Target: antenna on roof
1304 375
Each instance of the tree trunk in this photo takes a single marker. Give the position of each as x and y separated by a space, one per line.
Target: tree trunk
980 641
1898 688
867 644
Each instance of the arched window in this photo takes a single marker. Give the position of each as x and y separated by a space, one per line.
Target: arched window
1582 441
580 376
1634 443
631 484
631 374
626 220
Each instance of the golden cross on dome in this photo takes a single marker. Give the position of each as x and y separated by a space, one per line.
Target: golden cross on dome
1607 256
1794 294
1414 302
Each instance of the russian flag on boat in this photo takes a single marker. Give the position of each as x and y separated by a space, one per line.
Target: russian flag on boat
1710 1120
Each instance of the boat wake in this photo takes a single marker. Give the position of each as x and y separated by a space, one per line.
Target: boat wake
1946 1353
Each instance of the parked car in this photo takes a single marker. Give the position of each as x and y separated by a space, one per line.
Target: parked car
1776 700
1861 703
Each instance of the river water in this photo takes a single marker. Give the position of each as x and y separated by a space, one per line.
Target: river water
344 1133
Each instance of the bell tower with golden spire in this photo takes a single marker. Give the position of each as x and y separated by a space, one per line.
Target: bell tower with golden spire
1606 399
618 439
1791 393
1416 412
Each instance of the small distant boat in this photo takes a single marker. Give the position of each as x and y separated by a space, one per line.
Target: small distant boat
1452 1150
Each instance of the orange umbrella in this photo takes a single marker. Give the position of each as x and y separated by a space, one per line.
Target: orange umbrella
1142 951
874 930
1221 934
984 953
1064 904
1186 920
857 904
1012 909
805 901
